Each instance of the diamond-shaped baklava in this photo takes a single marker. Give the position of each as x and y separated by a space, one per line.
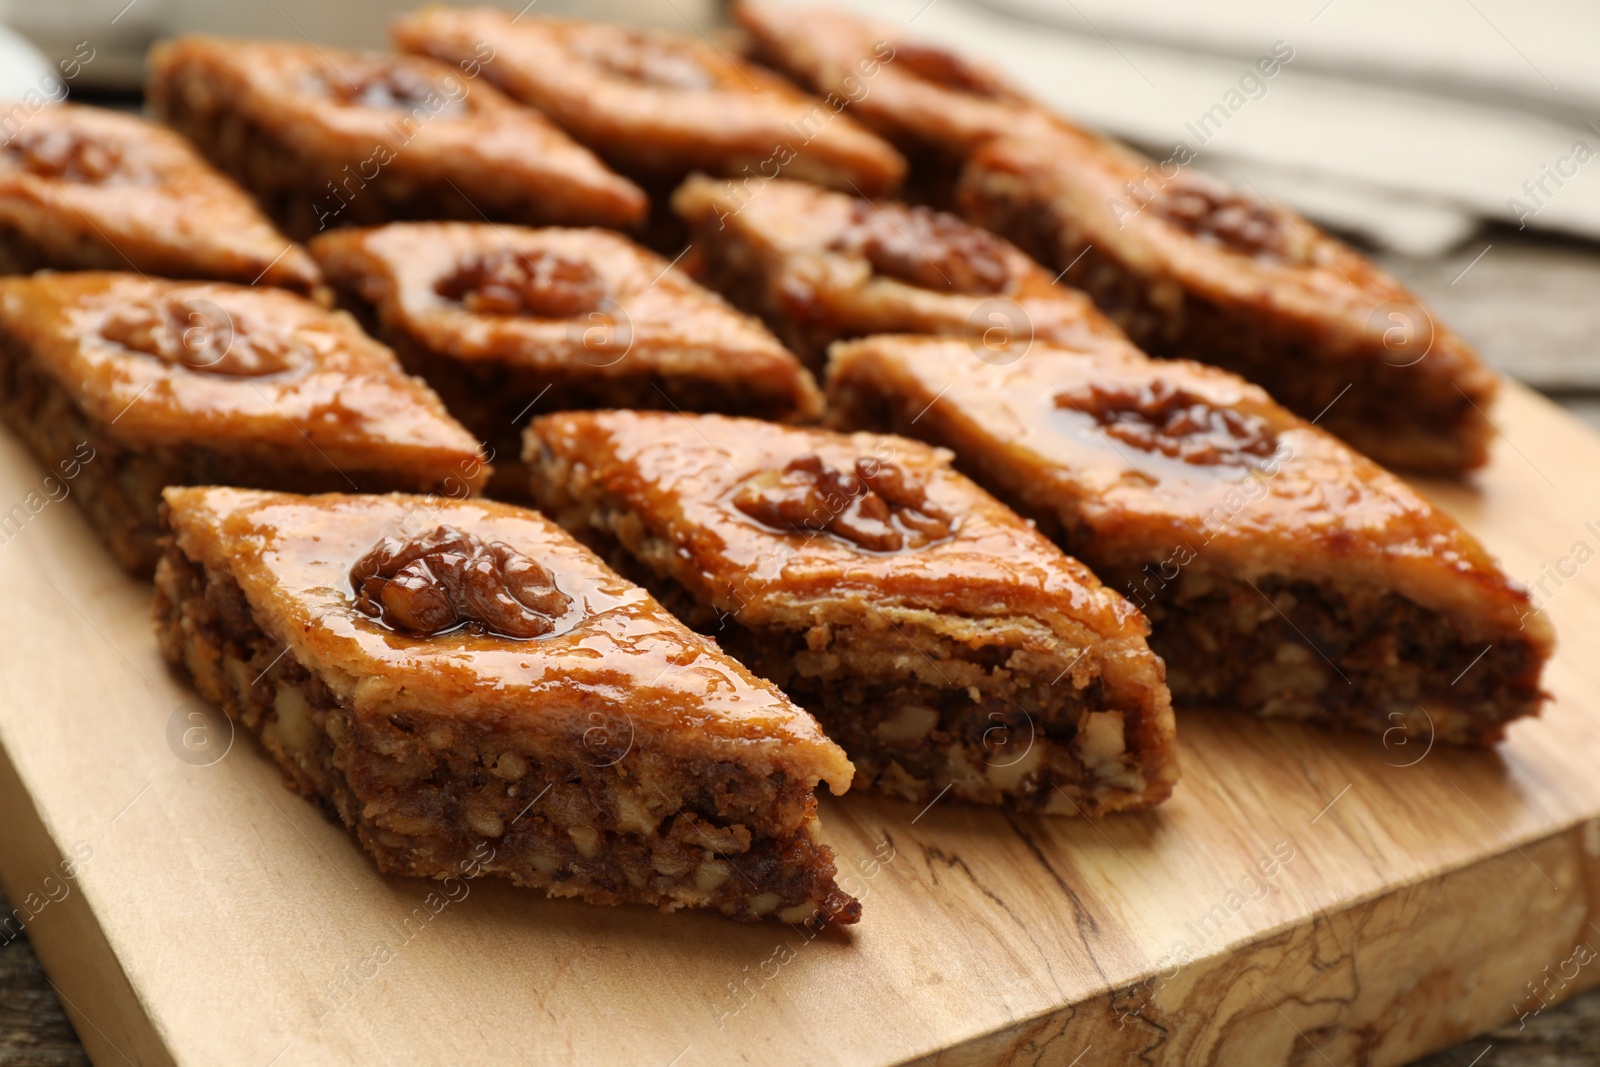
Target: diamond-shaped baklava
1187 266
1193 269
508 322
933 105
472 692
1282 572
658 105
83 188
938 637
819 266
326 137
154 383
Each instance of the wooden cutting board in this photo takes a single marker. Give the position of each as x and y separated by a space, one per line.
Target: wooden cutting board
1305 897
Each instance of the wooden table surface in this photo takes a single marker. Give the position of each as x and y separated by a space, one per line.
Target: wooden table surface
1530 307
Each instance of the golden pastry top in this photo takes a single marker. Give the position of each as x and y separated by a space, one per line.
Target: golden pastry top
657 103
142 191
1145 456
765 518
853 266
1226 245
612 653
165 364
1160 219
906 90
395 115
553 299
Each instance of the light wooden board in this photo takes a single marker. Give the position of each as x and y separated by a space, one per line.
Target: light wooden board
219 919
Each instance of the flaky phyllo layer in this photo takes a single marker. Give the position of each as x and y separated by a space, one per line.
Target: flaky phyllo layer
809 556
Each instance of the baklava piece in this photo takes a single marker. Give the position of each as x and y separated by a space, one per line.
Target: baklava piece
508 322
154 383
931 104
819 266
83 188
326 137
1188 267
659 105
472 692
1282 573
940 639
1193 269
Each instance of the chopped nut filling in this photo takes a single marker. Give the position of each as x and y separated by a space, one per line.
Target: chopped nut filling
423 794
433 583
947 70
201 336
926 248
645 59
1001 734
1216 213
875 507
1363 658
390 87
536 284
1161 417
66 155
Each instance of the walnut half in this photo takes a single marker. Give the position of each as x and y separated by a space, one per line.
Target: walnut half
1238 221
67 155
926 248
447 579
643 58
535 283
1162 417
875 506
391 88
200 335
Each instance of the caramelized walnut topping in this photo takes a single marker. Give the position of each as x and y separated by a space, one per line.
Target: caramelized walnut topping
926 248
876 506
201 336
948 71
1213 212
396 88
432 583
537 284
1161 417
64 155
645 59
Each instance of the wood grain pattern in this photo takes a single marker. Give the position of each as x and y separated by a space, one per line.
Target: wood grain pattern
1525 303
213 917
34 1031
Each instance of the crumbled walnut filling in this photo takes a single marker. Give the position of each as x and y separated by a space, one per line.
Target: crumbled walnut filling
1161 417
435 582
538 284
877 507
1214 212
948 71
926 248
390 87
65 155
645 59
201 336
